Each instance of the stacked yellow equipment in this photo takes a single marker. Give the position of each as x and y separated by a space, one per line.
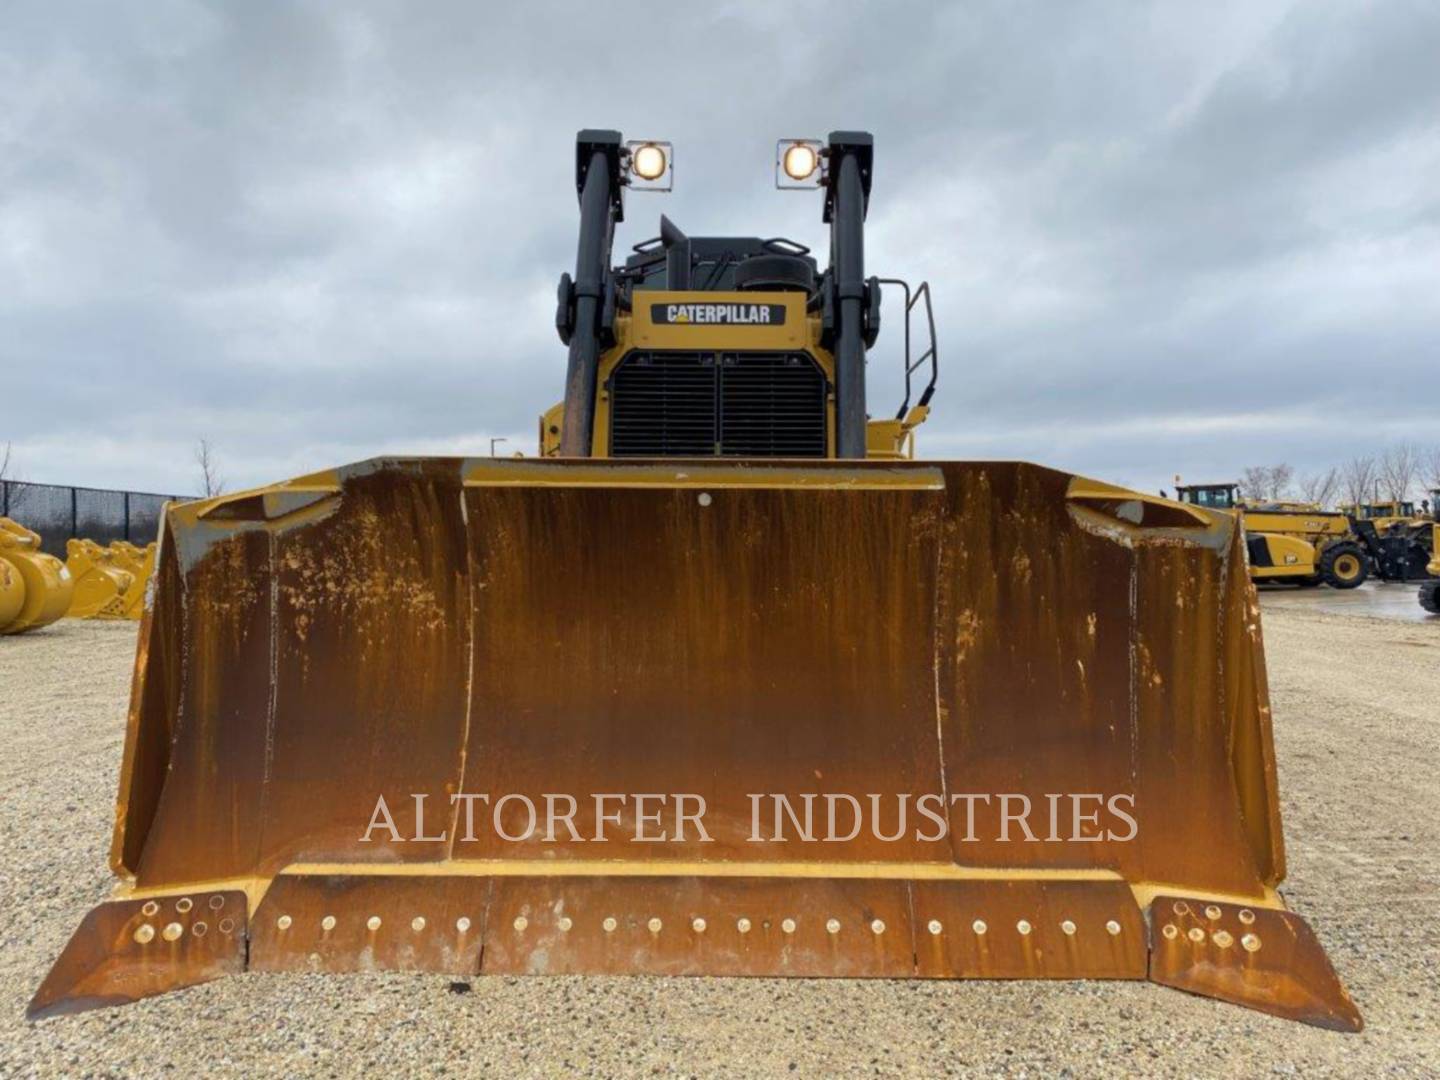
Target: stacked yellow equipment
35 588
110 582
140 564
100 584
722 642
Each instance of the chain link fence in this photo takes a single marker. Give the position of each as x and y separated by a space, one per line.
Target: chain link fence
59 512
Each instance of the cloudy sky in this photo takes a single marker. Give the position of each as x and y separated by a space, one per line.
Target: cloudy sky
1180 238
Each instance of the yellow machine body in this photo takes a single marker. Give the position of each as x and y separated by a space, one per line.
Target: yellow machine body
1285 557
12 593
46 584
1384 515
800 331
100 584
139 562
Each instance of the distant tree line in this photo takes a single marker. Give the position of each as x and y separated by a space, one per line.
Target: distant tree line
1399 473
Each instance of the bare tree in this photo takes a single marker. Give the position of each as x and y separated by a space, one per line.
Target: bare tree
1266 481
1358 477
1432 467
1400 467
1279 481
1253 481
14 490
1320 488
211 482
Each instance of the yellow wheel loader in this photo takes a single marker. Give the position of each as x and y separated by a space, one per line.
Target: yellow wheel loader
100 585
1290 543
1383 515
724 684
35 588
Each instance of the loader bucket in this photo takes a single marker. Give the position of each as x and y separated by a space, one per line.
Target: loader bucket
900 719
45 585
100 585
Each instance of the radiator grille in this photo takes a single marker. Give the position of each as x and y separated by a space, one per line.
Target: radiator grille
707 404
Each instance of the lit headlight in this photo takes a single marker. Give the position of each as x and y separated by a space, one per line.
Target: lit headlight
648 161
800 161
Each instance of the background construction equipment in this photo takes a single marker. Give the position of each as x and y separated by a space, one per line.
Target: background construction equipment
100 584
44 587
1289 542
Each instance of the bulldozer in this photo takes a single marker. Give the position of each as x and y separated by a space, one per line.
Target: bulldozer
35 587
725 682
1291 543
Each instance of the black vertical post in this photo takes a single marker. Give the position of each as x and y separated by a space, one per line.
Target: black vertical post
678 258
127 517
851 155
5 497
74 513
598 177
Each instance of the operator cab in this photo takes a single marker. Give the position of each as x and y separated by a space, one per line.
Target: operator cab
1210 496
1375 511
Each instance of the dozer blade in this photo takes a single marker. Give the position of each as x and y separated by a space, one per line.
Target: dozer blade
939 720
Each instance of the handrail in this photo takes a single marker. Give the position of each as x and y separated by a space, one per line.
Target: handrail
931 354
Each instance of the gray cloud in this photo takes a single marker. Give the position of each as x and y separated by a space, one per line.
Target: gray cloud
1185 239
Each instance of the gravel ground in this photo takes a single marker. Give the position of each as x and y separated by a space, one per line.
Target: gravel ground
1358 732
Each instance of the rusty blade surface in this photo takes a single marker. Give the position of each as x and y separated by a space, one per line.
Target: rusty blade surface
700 926
341 923
691 925
422 629
1028 930
773 640
1267 960
125 950
981 635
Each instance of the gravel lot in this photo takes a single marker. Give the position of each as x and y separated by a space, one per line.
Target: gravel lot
1357 706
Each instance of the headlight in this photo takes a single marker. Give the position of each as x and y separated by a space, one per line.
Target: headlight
800 161
648 161
649 165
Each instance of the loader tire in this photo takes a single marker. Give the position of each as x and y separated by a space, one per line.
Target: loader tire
1430 597
1344 566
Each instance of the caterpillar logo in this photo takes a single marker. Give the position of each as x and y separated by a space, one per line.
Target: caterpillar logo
718 314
